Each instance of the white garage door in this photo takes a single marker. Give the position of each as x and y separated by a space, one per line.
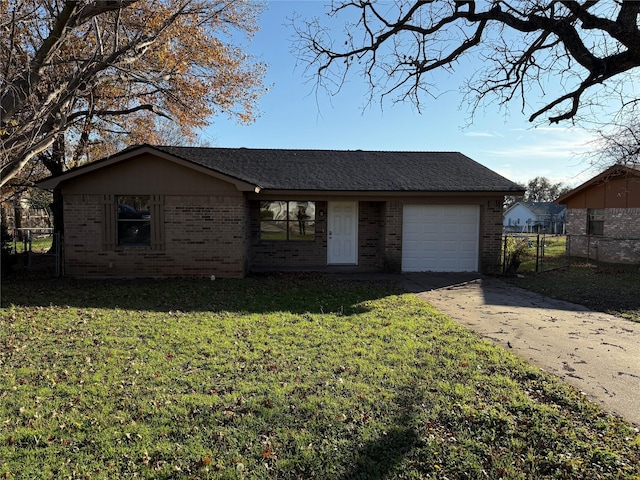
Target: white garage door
440 238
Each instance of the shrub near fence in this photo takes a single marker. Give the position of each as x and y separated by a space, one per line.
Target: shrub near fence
533 253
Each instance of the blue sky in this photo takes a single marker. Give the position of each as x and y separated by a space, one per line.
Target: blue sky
293 115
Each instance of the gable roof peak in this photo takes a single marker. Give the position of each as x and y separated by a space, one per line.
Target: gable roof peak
613 171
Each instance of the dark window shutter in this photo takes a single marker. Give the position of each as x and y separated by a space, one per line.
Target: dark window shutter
157 222
109 222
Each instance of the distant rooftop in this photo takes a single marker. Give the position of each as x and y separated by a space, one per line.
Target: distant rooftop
544 208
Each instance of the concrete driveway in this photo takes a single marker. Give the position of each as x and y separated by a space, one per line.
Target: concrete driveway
597 353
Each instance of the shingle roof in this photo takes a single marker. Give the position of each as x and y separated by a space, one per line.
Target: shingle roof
325 170
352 170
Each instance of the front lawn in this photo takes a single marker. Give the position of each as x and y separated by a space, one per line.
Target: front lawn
278 377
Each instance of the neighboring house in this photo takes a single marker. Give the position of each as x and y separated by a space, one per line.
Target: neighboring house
603 216
185 211
535 217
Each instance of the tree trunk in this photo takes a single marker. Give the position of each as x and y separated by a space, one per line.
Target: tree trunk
55 163
57 212
17 219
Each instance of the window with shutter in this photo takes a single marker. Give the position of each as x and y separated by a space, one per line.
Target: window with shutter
133 221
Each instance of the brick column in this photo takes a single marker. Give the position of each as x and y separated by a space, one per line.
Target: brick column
393 236
491 236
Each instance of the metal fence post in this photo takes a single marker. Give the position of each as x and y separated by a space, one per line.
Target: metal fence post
537 253
56 239
27 247
504 255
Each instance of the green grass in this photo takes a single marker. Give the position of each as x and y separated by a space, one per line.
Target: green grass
606 288
38 245
278 377
551 253
554 252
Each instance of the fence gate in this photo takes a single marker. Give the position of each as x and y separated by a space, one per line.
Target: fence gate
533 253
38 249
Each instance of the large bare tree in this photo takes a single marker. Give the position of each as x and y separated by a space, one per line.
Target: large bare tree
560 59
619 144
85 72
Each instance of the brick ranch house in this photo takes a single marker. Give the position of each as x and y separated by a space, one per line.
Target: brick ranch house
158 211
603 216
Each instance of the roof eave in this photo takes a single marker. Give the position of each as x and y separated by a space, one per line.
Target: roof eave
563 199
387 193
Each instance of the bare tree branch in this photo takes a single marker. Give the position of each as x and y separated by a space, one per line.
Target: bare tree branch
582 45
126 111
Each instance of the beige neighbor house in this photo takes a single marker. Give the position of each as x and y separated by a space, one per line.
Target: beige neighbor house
152 211
603 216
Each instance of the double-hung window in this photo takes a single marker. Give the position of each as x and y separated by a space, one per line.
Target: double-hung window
134 220
595 221
287 220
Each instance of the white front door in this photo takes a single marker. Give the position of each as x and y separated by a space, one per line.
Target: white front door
342 234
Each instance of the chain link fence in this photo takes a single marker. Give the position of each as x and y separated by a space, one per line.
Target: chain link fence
599 249
523 253
37 250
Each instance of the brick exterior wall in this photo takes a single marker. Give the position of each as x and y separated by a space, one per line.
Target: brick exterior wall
202 237
220 235
491 236
288 254
82 247
370 235
393 236
620 242
622 222
576 221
